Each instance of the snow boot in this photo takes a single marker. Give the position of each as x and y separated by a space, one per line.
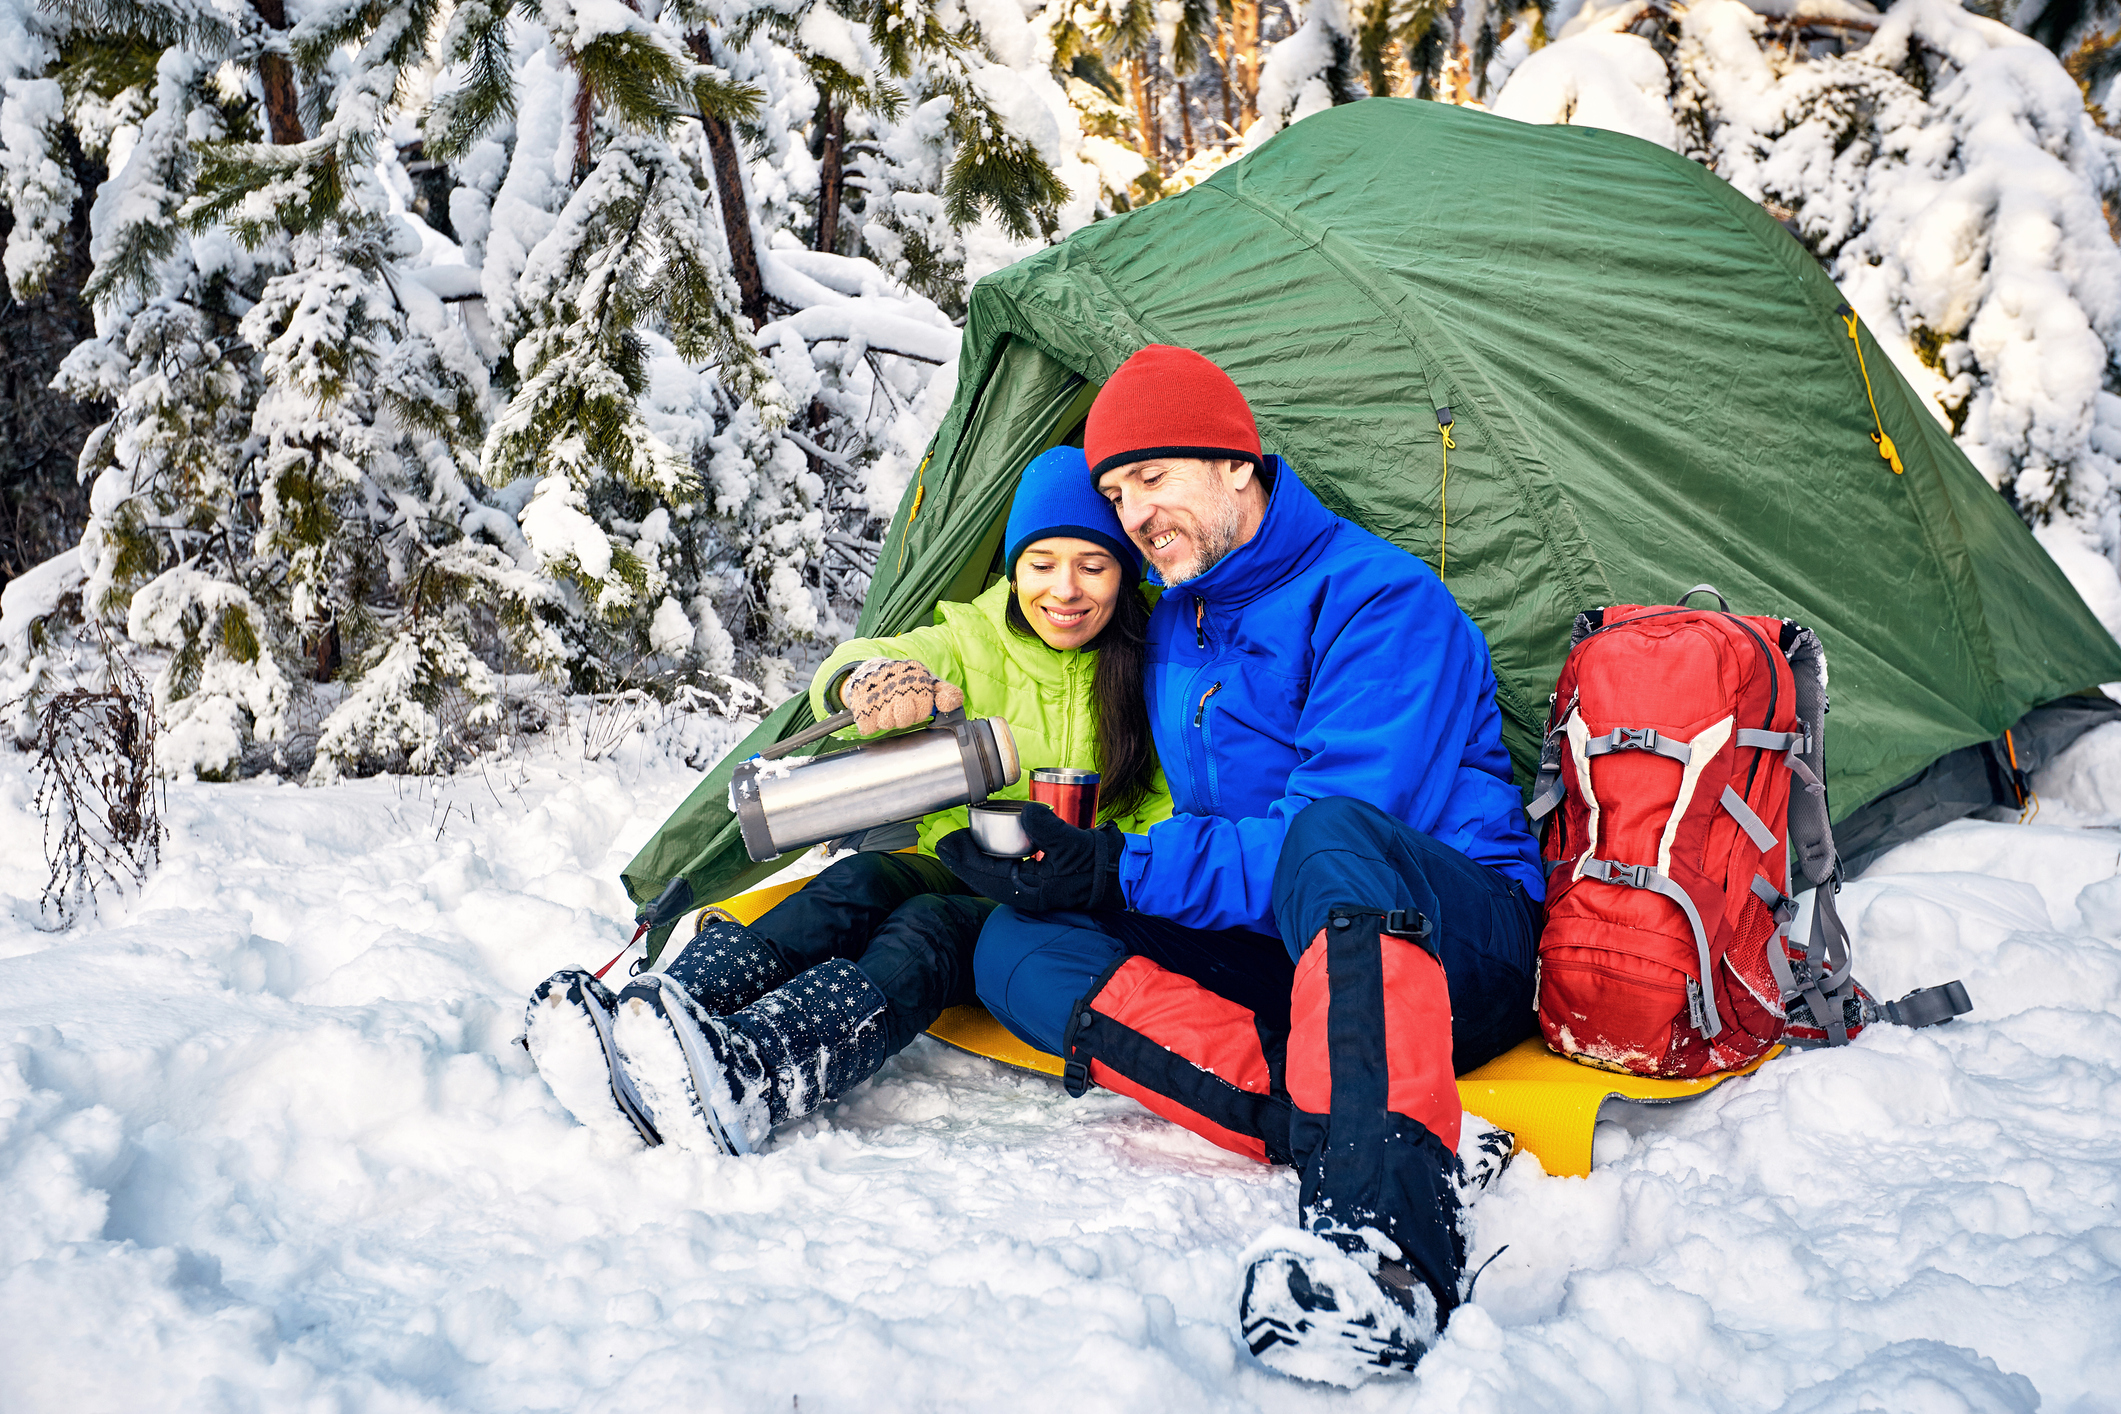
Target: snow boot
567 1030
1338 1314
722 1084
723 965
1484 1151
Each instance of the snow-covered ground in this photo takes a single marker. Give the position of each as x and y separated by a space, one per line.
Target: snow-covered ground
266 1144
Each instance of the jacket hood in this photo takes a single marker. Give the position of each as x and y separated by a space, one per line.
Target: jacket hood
1291 535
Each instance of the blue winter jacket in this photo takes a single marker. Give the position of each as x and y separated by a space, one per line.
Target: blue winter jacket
1317 660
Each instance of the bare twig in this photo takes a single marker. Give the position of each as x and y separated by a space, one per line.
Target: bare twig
97 790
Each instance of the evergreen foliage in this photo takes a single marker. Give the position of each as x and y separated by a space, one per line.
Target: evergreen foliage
442 345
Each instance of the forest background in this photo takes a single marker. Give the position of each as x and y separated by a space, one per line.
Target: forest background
373 372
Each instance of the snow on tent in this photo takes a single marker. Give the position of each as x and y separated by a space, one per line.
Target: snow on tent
1650 384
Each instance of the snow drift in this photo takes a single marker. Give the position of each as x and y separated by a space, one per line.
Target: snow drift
268 1143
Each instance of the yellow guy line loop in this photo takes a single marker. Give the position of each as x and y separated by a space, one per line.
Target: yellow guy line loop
1886 448
1443 492
2029 802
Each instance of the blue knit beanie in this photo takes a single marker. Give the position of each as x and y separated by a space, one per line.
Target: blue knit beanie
1057 497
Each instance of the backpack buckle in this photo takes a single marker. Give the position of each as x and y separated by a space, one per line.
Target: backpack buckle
1075 1078
1409 923
1606 871
1633 738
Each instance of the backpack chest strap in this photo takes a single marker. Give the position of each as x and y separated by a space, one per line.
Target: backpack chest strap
1639 739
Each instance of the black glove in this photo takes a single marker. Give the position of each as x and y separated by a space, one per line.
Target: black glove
1080 871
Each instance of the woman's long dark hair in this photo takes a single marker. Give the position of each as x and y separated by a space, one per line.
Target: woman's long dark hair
1126 753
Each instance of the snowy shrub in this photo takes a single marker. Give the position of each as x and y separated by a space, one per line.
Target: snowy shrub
98 792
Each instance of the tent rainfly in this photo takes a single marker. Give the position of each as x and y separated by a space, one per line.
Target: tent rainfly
1650 385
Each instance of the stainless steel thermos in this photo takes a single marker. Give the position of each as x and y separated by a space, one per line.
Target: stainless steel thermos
792 803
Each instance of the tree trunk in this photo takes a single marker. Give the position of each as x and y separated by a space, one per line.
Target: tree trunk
1226 55
736 209
1185 118
283 115
326 653
1459 66
832 174
1145 114
1244 30
584 116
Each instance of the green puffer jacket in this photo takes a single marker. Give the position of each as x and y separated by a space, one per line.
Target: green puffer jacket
1043 693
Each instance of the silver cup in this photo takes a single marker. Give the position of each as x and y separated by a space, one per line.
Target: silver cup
998 828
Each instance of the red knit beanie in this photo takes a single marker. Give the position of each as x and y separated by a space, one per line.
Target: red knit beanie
1168 402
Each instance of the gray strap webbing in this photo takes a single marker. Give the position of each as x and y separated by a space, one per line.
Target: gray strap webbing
1769 741
1812 839
1811 833
1829 945
1642 876
1551 784
1639 739
1784 908
1755 828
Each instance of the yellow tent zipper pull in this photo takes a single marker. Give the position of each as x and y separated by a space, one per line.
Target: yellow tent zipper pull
920 489
1886 448
1443 492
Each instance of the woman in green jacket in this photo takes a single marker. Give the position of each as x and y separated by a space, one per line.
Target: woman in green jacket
742 1028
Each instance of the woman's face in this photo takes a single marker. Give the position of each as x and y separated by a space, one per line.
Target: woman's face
1067 589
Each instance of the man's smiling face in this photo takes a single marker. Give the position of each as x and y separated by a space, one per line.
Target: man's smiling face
1185 514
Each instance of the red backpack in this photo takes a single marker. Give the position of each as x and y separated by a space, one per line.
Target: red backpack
1672 748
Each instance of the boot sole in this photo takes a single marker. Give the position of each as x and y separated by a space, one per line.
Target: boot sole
1308 1341
554 1038
672 1066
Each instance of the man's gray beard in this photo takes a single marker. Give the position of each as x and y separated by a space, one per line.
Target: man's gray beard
1216 542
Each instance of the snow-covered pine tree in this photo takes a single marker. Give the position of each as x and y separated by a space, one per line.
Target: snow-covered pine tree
284 481
631 265
881 129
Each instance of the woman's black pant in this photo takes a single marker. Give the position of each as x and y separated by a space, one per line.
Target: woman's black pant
904 919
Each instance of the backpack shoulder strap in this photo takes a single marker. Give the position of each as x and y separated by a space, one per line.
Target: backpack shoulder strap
1811 833
1825 983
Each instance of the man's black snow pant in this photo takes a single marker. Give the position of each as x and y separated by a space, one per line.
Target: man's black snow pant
903 919
1411 961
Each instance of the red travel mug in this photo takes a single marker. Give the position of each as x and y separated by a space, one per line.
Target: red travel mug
1071 793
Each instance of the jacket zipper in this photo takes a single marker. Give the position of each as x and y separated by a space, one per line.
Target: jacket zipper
1194 776
1207 746
1074 666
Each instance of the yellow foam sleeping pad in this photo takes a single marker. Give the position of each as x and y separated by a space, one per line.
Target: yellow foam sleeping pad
1550 1103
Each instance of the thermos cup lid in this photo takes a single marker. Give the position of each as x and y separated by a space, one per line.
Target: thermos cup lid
1005 747
998 828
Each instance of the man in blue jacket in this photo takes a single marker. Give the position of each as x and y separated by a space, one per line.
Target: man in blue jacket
1343 913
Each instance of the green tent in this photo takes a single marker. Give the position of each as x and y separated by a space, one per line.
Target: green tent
1651 387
